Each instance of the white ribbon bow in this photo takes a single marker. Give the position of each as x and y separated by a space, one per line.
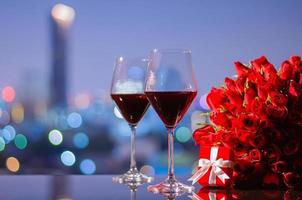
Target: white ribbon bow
216 170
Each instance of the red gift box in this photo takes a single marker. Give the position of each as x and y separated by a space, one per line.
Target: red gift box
205 194
215 167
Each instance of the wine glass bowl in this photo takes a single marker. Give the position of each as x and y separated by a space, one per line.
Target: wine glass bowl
170 87
127 91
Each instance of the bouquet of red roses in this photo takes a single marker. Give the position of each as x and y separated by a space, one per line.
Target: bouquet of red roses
259 116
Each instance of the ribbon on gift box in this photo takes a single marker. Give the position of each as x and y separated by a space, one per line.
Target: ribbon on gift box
215 165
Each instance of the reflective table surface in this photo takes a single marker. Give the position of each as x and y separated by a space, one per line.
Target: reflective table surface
73 187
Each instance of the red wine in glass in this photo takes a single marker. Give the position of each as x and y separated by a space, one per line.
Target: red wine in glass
171 105
131 106
170 87
127 91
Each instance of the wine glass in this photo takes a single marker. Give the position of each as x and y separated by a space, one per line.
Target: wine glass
170 88
127 91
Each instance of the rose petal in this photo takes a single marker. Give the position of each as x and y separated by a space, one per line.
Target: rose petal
241 69
216 98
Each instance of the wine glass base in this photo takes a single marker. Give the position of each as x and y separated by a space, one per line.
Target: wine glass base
170 188
132 176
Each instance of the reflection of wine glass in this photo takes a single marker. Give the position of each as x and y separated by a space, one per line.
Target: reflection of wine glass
127 90
133 189
170 88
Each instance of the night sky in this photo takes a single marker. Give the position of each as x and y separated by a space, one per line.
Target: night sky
217 32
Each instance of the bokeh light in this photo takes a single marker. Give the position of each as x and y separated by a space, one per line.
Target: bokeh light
81 140
74 120
88 167
55 137
8 133
4 134
82 101
203 103
68 158
18 113
148 170
2 144
4 117
12 164
20 141
8 94
117 113
183 134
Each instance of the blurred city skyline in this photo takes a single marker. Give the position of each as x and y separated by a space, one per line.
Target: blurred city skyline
217 32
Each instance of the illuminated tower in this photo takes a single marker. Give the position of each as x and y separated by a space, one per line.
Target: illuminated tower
62 17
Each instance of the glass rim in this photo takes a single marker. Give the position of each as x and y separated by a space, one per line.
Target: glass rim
171 50
123 58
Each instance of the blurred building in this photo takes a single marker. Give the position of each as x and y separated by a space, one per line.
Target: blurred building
61 18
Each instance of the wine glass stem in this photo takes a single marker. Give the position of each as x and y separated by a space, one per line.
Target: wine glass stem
132 154
170 153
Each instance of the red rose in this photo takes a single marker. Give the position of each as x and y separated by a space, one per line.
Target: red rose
227 139
249 122
259 63
241 69
255 155
270 73
216 98
263 90
275 134
259 116
230 84
295 60
279 166
204 135
259 107
240 151
276 112
278 99
236 101
272 153
278 136
240 83
258 141
271 180
286 71
220 119
291 147
291 179
243 167
294 89
249 96
244 136
256 78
